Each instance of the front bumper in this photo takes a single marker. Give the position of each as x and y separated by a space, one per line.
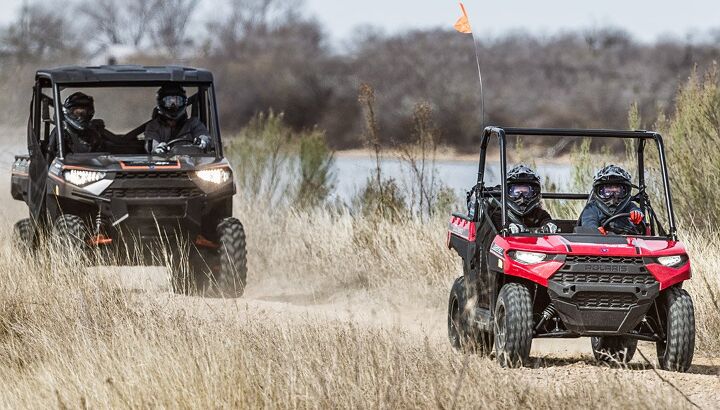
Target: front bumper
156 204
602 295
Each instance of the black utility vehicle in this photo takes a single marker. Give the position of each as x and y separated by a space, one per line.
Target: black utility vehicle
157 208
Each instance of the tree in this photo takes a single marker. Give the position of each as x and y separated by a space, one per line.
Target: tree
171 25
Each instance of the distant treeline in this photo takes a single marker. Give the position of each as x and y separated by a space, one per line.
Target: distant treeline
267 54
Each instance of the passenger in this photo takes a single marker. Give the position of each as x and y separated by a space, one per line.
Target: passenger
524 204
81 133
172 122
611 196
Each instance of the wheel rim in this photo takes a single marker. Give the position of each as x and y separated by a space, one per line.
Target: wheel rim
500 326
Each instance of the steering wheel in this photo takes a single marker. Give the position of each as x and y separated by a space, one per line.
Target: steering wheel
172 143
626 231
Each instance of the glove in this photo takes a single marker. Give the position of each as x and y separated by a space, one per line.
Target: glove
549 228
203 142
516 228
636 217
161 149
602 231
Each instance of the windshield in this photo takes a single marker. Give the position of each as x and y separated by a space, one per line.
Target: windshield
164 119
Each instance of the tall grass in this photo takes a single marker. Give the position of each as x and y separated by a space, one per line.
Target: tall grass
73 337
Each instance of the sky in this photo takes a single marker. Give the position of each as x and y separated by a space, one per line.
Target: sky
645 19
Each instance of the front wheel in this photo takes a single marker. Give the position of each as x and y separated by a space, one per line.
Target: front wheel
611 349
513 325
71 233
231 277
676 351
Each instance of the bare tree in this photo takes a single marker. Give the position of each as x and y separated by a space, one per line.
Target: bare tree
171 25
38 34
120 22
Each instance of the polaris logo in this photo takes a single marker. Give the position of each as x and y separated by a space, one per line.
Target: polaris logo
589 267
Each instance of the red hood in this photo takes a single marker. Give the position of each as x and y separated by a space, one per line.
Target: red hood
592 245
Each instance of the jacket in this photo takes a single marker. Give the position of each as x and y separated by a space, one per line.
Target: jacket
593 217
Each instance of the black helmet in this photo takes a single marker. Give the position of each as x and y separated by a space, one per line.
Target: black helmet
171 101
611 189
78 110
524 192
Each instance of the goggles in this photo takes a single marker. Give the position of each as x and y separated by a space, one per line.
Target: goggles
612 191
173 102
517 191
80 112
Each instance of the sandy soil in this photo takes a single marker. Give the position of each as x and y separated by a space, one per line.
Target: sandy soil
554 361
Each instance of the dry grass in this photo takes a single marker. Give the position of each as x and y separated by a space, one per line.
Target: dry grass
74 337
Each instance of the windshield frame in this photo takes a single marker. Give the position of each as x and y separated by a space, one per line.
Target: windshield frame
206 90
641 136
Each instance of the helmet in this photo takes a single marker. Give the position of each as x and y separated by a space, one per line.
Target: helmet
611 189
78 110
171 101
523 190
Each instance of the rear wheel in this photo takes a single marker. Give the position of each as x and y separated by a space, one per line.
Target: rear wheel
513 325
462 334
24 234
676 351
611 349
231 271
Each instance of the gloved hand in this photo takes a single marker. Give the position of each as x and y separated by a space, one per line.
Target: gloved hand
549 228
602 230
161 149
203 142
636 217
517 228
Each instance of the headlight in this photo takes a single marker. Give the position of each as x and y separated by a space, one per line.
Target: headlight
82 178
216 176
670 260
528 258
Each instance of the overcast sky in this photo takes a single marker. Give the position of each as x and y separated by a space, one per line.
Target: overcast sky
646 19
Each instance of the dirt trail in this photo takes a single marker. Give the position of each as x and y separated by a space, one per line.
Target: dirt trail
554 360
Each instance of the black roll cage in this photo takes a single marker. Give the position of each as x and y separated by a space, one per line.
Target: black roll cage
45 80
501 134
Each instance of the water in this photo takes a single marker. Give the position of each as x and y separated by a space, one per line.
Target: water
352 174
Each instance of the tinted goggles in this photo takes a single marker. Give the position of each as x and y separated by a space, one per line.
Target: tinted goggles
612 191
173 102
516 191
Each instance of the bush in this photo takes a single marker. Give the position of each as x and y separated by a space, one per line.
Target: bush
276 166
692 139
316 175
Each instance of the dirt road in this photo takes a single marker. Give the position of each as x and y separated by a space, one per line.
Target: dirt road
554 361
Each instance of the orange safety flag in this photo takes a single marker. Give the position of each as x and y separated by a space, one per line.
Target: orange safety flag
463 23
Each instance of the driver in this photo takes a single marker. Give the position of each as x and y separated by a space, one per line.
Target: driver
172 122
524 203
81 133
610 197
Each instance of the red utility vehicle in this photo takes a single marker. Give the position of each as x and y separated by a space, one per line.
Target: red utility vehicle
616 288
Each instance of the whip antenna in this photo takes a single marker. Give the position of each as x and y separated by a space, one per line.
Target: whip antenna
463 26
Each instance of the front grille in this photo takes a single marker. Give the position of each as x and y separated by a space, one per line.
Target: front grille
603 259
152 175
601 300
605 278
605 270
135 193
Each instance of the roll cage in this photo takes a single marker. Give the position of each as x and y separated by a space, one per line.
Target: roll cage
641 136
55 80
